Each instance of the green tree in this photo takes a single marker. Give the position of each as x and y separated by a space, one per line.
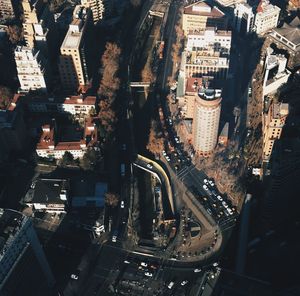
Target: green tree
5 97
67 159
88 161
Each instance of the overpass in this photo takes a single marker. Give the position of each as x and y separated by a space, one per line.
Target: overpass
159 173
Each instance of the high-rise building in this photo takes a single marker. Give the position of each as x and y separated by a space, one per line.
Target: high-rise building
197 16
38 23
6 9
274 117
244 18
74 58
207 112
32 69
266 17
24 269
100 8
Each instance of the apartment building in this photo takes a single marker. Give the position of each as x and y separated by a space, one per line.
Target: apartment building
207 62
24 269
99 8
74 60
275 72
206 119
198 15
220 40
274 117
6 9
266 17
53 145
38 25
75 105
32 68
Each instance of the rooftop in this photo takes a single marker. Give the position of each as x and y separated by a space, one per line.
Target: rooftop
203 9
290 31
10 223
76 28
47 191
192 84
208 31
280 110
206 57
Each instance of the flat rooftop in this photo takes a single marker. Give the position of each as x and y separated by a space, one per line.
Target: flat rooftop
10 223
47 191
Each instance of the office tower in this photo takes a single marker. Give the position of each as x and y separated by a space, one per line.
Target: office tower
266 17
244 18
206 119
74 58
99 8
24 269
274 117
32 69
197 16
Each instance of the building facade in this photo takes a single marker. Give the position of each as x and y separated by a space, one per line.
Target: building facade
24 269
6 9
75 105
32 69
274 118
244 18
266 17
198 15
220 40
207 112
50 147
74 51
99 8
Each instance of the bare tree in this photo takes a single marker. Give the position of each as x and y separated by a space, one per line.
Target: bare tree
15 34
5 97
135 3
155 143
112 199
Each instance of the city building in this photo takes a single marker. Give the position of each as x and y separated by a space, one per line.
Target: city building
32 68
288 38
24 269
227 3
48 195
99 8
6 9
266 17
54 145
75 105
275 72
274 117
220 40
198 15
208 62
74 63
12 129
244 18
294 4
38 25
207 112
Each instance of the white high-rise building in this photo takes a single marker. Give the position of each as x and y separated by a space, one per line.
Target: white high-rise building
31 68
24 269
100 8
244 17
207 112
266 17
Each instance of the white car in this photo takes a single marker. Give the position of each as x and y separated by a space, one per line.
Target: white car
144 264
205 187
114 239
197 270
149 166
177 140
224 204
171 284
126 262
148 274
122 204
211 183
183 283
164 153
74 277
168 158
205 181
219 197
